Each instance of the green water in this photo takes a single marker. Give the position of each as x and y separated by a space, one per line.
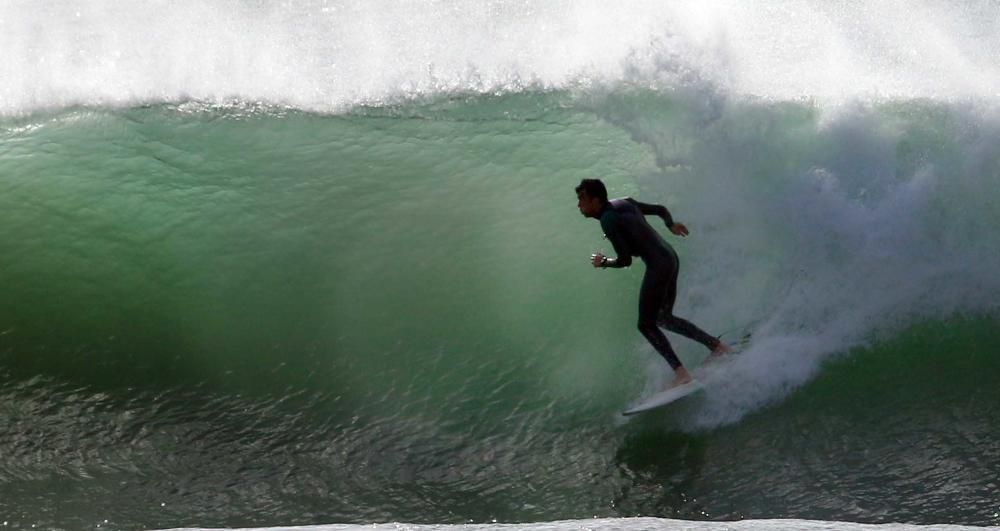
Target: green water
243 240
239 315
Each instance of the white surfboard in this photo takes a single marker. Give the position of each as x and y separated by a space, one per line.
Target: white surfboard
665 397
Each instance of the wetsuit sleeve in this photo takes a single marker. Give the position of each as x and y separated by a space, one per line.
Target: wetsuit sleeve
612 230
653 210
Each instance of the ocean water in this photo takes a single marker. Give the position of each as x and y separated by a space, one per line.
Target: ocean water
319 263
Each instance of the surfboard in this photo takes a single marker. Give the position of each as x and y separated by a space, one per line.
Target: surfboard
666 397
709 365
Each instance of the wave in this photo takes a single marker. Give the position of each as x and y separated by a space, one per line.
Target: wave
819 231
390 307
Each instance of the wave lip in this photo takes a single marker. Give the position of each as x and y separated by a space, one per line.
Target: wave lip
329 55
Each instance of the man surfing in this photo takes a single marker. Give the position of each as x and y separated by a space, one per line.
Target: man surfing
624 223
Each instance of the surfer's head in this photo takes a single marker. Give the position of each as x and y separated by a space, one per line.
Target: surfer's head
591 196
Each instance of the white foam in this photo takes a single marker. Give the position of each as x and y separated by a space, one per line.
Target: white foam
326 54
836 236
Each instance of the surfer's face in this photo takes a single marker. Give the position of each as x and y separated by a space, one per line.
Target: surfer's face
589 206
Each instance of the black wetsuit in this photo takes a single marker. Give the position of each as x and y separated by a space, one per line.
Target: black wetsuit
624 223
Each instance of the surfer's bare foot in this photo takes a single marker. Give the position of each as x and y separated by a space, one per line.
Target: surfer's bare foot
721 349
682 377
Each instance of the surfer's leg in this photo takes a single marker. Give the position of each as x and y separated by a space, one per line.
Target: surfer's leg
688 329
650 302
679 325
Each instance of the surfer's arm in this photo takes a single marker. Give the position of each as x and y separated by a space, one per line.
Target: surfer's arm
661 211
624 258
653 210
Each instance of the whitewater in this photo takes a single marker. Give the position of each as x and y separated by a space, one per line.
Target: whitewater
317 264
327 56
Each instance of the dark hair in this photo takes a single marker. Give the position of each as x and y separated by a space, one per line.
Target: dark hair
593 188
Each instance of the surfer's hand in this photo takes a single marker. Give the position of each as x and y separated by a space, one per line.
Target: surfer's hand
597 259
679 229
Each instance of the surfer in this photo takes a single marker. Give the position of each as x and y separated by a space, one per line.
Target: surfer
624 223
